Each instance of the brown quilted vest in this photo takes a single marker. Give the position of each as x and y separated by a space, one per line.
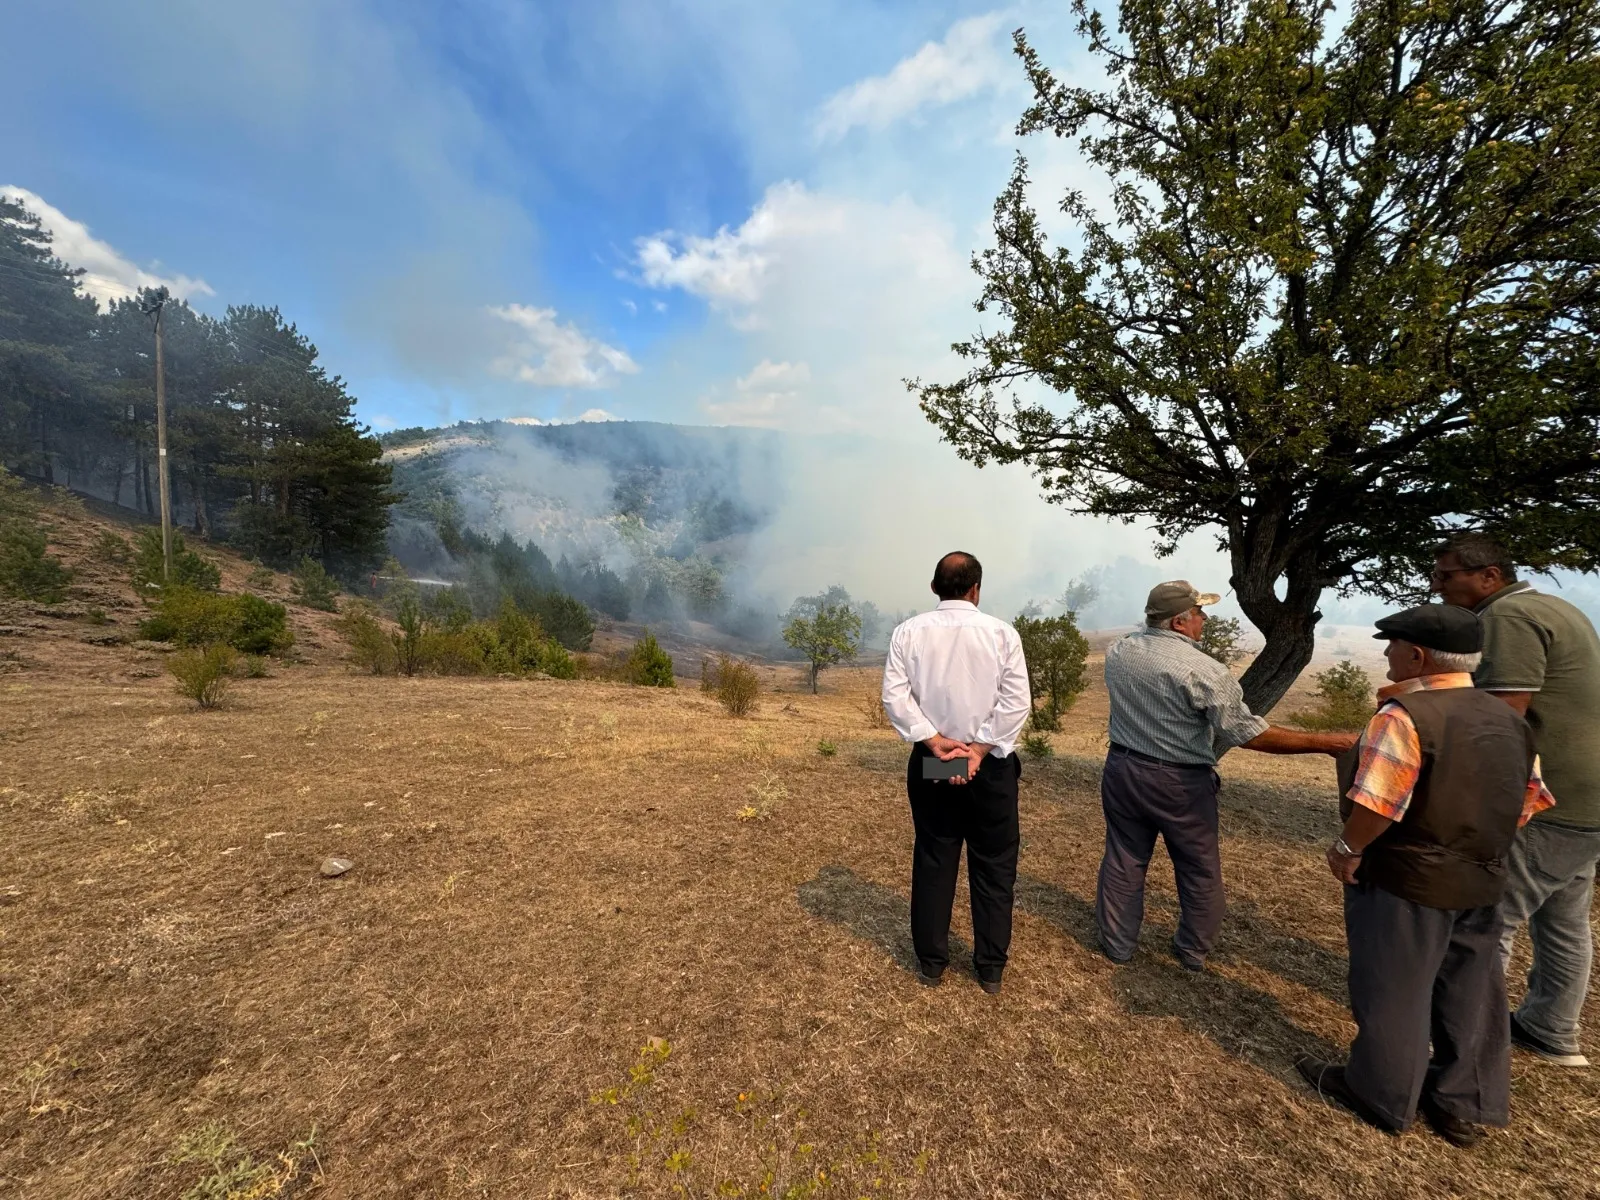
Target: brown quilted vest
1448 851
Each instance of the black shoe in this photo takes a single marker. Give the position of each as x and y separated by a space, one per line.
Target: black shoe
1184 961
990 986
1114 958
929 980
1330 1083
1463 1134
1534 1044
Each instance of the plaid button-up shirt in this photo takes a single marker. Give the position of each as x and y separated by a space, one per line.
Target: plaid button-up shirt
1391 754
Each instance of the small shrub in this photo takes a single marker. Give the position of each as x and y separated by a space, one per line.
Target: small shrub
189 570
25 569
255 666
96 615
737 686
826 748
203 675
1219 637
1036 745
195 618
111 547
556 662
371 647
261 578
314 586
1344 699
409 640
708 674
649 665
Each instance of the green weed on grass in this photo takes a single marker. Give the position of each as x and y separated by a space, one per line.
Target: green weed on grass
232 1172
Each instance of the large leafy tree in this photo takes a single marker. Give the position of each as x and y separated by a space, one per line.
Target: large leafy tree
1343 295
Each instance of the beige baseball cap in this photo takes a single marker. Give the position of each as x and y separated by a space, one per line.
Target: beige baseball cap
1173 598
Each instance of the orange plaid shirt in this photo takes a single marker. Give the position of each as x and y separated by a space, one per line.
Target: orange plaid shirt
1391 754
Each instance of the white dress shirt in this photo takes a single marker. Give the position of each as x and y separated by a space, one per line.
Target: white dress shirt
957 672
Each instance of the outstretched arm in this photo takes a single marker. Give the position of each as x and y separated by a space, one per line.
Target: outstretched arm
1275 739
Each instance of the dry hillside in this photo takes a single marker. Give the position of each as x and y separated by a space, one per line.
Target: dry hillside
603 941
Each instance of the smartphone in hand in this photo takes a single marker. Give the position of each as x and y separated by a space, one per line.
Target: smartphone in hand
940 769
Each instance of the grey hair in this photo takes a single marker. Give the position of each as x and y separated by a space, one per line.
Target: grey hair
1475 550
1450 660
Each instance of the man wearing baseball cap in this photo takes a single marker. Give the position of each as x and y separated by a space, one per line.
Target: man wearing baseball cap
1432 799
1174 711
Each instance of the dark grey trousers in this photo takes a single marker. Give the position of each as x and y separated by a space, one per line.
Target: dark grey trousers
1419 974
1142 799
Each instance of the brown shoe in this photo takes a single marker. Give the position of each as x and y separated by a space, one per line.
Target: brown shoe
1330 1083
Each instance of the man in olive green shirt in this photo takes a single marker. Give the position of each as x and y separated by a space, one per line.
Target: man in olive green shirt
1542 656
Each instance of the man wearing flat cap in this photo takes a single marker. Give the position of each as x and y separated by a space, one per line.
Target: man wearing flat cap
1432 798
1174 711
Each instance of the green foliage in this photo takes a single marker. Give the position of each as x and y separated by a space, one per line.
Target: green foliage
824 632
513 643
203 675
1219 637
255 666
191 617
1056 653
1036 744
409 641
371 647
189 570
826 748
564 618
556 662
110 547
25 569
1344 699
649 665
314 586
1341 298
737 686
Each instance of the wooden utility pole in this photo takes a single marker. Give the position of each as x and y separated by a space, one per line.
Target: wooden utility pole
154 303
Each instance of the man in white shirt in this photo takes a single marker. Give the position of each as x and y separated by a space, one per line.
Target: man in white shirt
956 686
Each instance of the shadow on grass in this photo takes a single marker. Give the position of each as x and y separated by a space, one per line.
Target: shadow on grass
872 913
1244 1021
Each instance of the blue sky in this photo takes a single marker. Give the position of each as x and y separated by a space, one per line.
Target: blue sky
487 208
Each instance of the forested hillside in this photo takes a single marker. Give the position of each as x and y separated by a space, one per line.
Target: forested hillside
264 449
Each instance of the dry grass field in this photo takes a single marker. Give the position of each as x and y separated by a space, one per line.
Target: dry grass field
569 961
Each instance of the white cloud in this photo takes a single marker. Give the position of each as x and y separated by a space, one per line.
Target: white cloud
766 396
964 64
108 276
547 353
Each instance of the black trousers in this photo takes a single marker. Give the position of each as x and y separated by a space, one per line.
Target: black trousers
981 813
1421 975
1143 799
